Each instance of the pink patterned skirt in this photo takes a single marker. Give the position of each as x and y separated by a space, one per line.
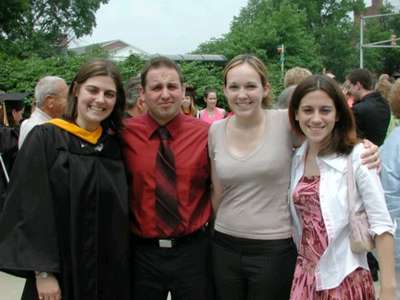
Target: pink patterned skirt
357 285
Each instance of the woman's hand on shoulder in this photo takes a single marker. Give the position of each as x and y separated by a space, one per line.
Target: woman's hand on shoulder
48 288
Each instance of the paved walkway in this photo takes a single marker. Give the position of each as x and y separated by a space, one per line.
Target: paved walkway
11 287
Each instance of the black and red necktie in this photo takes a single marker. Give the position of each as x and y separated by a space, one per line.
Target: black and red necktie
166 193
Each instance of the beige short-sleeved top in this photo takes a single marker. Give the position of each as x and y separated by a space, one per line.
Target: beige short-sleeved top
254 203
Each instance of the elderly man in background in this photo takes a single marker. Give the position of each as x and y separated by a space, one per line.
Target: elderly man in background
50 101
293 77
135 104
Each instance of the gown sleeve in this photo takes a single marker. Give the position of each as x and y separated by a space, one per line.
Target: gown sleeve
8 139
28 235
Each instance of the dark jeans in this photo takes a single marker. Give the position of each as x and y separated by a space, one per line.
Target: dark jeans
184 270
246 269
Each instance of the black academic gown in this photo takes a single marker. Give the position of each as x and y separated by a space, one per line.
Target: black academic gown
8 150
66 212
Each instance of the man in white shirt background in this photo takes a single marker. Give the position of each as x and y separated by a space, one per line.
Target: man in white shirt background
50 101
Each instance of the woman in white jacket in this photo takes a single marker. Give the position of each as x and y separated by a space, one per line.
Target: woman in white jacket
326 267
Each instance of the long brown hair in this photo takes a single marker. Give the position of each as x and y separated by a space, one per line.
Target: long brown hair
257 65
344 135
98 67
191 93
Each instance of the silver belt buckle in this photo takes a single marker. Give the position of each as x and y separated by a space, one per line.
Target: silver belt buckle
165 243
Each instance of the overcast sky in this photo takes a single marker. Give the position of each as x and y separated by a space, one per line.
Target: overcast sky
166 26
163 26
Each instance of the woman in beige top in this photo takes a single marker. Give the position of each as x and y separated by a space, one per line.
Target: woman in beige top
253 252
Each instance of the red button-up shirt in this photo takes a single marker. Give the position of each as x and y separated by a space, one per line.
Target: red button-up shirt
188 142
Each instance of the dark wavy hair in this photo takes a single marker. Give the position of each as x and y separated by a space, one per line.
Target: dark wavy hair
209 90
344 135
93 68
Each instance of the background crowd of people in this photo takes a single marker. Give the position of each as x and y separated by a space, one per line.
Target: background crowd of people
133 192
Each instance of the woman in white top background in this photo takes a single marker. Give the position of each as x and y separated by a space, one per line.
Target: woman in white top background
326 267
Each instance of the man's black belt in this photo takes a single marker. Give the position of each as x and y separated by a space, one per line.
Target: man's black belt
168 242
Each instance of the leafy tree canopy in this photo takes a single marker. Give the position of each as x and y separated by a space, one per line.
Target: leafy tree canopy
44 26
318 35
21 75
260 28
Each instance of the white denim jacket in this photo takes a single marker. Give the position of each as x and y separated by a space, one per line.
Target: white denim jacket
338 260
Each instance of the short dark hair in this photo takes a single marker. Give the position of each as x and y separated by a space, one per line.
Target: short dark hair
190 91
156 63
209 90
344 135
363 76
93 68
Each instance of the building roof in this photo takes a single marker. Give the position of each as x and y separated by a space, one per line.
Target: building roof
115 45
109 46
194 57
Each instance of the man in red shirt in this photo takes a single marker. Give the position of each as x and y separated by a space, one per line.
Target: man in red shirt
167 159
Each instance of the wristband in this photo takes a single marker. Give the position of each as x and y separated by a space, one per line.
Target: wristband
42 274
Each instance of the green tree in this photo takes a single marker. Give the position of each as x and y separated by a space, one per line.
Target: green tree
319 34
333 27
21 75
131 67
260 28
382 60
10 10
43 27
337 32
203 75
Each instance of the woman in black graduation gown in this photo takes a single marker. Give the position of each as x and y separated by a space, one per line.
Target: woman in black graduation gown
8 152
65 221
11 110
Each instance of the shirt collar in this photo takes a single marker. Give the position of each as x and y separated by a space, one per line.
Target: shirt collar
333 160
172 126
42 114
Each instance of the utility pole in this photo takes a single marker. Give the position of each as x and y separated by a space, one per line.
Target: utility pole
362 42
380 44
281 51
